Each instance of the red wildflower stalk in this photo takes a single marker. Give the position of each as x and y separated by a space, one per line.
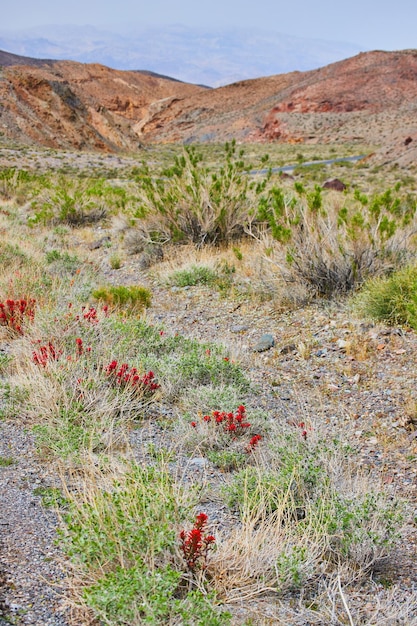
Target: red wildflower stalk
125 377
45 354
79 345
253 443
195 545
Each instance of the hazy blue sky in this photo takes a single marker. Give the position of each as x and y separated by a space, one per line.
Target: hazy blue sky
383 24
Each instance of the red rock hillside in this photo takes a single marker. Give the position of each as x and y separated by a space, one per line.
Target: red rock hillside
368 98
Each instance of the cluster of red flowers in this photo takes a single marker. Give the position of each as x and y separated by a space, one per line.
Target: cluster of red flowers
45 354
50 353
90 314
253 443
195 545
13 313
233 424
230 422
126 377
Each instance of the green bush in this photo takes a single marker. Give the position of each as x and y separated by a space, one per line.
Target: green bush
70 201
125 539
333 246
132 297
195 275
192 203
391 299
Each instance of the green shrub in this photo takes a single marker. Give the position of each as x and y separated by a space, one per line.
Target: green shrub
391 299
70 201
124 539
62 262
193 203
333 247
131 297
195 275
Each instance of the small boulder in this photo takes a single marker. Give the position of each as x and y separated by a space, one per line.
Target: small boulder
266 342
334 183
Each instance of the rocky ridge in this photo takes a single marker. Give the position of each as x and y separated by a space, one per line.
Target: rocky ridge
369 98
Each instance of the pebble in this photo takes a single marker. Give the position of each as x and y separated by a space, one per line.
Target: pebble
239 328
199 462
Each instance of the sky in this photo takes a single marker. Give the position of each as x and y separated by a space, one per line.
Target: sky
374 24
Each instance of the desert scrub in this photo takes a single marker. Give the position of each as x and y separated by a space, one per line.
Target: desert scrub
12 256
19 186
178 362
305 509
391 299
192 203
195 275
132 297
123 540
72 201
333 244
62 263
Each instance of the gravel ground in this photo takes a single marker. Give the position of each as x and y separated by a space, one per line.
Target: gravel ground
353 377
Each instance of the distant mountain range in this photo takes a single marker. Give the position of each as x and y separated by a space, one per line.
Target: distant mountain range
194 55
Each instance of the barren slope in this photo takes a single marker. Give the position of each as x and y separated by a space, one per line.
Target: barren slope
366 97
66 104
370 98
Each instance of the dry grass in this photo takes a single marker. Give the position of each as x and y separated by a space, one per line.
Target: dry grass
299 528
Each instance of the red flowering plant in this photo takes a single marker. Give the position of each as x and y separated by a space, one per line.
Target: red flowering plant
232 424
302 427
46 353
130 378
196 544
14 314
49 352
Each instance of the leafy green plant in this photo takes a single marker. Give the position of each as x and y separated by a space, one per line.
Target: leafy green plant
52 497
62 262
195 275
124 538
227 460
13 399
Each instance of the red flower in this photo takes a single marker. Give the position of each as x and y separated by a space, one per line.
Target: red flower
201 519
